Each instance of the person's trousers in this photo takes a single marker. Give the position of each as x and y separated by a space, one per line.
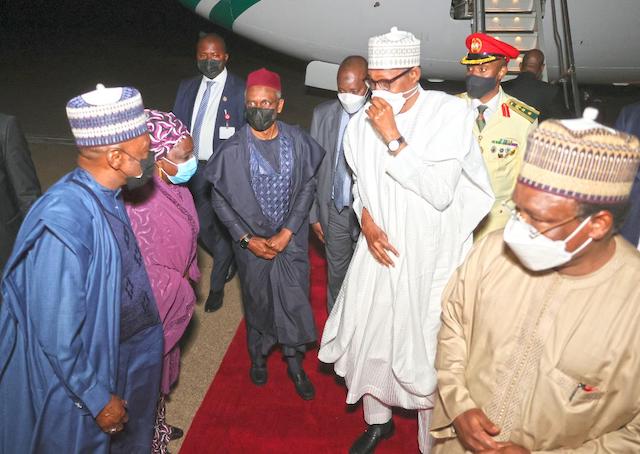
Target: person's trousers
339 246
214 236
376 412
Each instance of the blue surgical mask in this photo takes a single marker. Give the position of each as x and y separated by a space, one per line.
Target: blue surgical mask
185 170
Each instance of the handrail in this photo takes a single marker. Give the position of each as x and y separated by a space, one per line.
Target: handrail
558 41
571 65
479 24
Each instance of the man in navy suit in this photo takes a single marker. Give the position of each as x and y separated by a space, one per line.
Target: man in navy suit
629 121
212 104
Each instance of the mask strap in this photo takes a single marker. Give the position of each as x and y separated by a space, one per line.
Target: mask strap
411 90
575 232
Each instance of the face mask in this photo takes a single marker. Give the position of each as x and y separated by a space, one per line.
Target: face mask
478 86
211 68
395 100
352 103
185 170
260 119
146 167
540 252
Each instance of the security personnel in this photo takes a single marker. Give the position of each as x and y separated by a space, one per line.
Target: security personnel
502 122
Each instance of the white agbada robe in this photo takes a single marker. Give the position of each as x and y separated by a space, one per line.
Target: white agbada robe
381 334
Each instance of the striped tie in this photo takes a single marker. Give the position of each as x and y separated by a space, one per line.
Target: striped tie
480 121
197 125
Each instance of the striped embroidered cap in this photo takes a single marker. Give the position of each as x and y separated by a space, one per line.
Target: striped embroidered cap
396 49
107 116
581 159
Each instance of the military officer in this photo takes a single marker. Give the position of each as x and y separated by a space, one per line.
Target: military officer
502 123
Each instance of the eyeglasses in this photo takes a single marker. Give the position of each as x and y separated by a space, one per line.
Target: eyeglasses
514 212
264 104
384 84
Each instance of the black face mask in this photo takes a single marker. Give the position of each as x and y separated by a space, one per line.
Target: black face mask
147 165
260 119
478 86
211 68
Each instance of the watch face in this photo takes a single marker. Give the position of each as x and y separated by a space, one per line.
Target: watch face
394 145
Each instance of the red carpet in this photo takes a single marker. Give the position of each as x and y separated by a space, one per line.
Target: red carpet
238 417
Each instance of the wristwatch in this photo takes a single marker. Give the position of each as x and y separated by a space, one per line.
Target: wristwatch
395 144
244 242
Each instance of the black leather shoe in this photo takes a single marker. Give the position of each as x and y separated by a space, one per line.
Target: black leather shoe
175 433
258 375
231 272
304 387
214 301
367 442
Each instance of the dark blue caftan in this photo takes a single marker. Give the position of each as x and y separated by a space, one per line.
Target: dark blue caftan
261 187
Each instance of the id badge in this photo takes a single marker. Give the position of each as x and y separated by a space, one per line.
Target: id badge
226 132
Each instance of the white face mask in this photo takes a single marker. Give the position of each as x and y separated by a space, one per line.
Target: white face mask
352 103
536 251
395 100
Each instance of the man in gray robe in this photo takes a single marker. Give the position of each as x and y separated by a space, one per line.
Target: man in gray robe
263 186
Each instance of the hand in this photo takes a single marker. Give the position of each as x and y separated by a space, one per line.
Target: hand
507 448
382 119
280 240
260 248
377 240
113 416
317 229
475 431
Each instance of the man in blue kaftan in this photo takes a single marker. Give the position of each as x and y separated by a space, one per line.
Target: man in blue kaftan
81 344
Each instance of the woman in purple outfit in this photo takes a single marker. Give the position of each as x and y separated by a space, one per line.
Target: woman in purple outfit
165 222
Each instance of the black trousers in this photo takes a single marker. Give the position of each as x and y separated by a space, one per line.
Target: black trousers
214 236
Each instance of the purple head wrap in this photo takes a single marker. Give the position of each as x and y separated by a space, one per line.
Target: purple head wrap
165 131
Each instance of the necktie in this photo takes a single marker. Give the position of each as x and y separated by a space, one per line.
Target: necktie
341 182
480 121
197 125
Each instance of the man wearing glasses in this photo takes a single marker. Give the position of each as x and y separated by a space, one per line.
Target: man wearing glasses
264 183
420 188
502 122
538 347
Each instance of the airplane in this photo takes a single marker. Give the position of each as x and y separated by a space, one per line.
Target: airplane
604 33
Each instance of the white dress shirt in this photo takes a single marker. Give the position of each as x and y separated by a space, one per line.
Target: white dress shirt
208 129
492 106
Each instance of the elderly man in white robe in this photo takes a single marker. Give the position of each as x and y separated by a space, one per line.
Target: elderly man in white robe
420 188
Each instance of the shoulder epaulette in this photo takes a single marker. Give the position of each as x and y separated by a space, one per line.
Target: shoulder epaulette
523 109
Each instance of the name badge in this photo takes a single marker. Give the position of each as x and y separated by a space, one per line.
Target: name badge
226 132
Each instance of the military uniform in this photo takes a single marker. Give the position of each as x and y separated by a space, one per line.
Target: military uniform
502 142
504 136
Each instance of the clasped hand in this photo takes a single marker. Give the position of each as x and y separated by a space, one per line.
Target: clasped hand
268 248
476 431
113 416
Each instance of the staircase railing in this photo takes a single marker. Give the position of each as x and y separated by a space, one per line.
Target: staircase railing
565 56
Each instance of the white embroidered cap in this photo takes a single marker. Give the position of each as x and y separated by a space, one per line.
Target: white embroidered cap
396 49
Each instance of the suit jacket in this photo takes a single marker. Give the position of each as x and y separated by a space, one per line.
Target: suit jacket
325 128
232 100
546 98
629 121
19 186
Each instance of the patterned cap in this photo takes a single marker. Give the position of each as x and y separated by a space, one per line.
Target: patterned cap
581 159
107 116
396 49
165 131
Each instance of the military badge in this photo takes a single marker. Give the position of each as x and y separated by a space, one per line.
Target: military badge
476 45
504 148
